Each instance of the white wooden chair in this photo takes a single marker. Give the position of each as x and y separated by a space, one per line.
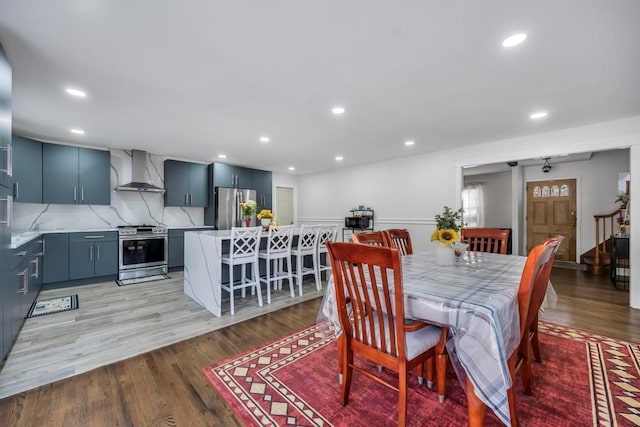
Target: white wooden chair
243 250
307 246
326 233
278 250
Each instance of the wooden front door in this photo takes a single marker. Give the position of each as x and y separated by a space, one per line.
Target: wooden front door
551 211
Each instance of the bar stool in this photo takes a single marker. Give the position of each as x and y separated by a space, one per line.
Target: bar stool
278 249
326 233
307 246
243 250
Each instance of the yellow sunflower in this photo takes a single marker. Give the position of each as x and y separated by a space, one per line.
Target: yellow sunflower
447 236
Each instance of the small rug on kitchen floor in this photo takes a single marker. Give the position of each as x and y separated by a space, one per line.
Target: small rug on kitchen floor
53 305
125 282
585 379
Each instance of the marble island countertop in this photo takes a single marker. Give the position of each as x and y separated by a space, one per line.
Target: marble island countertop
19 238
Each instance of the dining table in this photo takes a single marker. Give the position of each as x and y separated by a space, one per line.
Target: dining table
477 299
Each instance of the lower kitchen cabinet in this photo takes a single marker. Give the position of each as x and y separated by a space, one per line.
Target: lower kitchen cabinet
93 255
21 290
176 245
56 257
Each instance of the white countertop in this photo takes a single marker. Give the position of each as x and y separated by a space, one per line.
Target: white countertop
19 238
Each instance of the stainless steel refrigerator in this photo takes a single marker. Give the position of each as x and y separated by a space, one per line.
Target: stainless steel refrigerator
228 211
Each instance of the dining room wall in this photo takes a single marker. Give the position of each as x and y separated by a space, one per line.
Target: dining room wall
409 191
406 192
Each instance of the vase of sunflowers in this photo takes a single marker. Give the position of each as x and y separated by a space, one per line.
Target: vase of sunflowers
446 234
266 217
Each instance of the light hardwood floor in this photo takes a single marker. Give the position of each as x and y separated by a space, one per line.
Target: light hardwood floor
114 323
166 386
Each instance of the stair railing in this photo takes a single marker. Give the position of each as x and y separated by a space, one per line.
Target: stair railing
603 245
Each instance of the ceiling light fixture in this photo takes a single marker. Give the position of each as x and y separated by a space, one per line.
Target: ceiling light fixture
538 115
547 166
337 110
409 143
222 156
291 168
76 92
514 40
77 131
264 139
339 158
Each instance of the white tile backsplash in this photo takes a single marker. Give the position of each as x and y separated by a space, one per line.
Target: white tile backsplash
127 207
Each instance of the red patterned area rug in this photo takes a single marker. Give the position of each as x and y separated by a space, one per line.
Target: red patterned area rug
585 379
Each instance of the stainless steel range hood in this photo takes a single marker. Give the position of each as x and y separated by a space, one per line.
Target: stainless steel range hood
138 180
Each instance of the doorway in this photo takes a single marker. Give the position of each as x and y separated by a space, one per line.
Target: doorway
551 211
284 205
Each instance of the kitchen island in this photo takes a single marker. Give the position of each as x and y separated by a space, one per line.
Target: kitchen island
203 267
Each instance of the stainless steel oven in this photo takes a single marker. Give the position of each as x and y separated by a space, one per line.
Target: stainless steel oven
143 251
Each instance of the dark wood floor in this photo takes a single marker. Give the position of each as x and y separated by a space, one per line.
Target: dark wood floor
166 386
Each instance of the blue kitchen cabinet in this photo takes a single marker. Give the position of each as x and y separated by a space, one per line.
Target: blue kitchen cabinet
75 175
94 176
5 122
262 181
106 262
185 184
93 254
176 245
176 183
56 257
176 250
231 176
223 175
7 294
27 170
6 279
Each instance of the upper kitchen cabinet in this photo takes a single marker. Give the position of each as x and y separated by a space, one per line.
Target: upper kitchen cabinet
231 176
75 175
262 182
185 184
27 170
5 121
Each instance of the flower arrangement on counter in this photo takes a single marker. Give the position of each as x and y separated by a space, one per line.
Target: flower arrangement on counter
248 208
265 214
447 226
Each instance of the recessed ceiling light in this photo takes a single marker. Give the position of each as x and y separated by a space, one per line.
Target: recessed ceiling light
76 92
409 143
538 115
514 40
291 168
337 110
222 156
339 158
77 131
264 139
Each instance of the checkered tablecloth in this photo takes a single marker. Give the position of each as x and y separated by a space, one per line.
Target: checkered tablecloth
477 299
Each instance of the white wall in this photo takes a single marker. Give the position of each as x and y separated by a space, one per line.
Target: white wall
405 192
496 195
410 191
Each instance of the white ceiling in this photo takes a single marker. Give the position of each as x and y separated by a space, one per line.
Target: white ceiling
197 78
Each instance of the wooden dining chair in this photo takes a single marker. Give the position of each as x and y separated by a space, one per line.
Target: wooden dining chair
482 239
538 297
368 329
372 238
400 239
533 268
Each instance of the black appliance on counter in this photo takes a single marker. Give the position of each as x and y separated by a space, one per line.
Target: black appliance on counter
142 251
360 220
